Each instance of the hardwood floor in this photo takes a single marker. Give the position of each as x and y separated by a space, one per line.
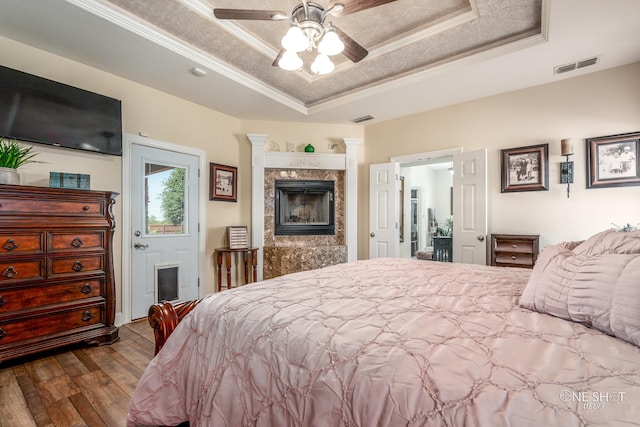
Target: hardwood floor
77 386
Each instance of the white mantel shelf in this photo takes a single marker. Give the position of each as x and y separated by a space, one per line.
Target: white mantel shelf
262 160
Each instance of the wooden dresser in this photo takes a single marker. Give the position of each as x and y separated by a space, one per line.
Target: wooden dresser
56 269
514 250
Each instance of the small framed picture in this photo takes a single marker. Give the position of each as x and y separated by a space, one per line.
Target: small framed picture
525 168
612 161
224 183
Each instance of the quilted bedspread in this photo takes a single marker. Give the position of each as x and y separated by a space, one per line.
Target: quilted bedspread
387 342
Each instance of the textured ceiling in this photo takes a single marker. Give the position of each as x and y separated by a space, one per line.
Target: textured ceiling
402 37
423 54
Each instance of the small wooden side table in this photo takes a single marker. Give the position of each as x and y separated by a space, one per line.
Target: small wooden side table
249 257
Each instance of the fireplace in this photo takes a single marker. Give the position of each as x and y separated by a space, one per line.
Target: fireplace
304 207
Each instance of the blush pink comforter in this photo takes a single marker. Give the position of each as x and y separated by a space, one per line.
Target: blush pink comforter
387 342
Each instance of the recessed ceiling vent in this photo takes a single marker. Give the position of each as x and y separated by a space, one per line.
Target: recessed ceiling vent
575 65
363 119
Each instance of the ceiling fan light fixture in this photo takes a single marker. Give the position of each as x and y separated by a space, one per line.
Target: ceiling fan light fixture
330 43
322 64
295 40
290 61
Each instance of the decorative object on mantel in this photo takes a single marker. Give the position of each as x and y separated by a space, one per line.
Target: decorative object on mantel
223 183
612 161
309 148
525 168
12 156
566 167
69 180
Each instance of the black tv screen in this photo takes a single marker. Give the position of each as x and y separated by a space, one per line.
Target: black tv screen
39 110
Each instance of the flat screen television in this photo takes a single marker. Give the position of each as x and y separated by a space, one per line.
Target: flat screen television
39 110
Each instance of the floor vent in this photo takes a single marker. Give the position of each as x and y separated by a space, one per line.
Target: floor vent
575 65
363 119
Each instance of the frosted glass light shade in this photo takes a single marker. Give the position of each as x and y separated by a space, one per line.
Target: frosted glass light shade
322 65
330 43
290 61
295 40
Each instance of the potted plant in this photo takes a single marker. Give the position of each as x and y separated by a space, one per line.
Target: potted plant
12 156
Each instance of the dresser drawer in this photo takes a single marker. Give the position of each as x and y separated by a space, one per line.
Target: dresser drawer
76 265
50 323
21 206
75 241
40 296
16 271
21 243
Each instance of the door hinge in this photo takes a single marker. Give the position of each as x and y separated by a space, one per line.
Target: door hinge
198 172
198 282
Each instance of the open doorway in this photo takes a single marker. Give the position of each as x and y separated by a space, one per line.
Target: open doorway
428 211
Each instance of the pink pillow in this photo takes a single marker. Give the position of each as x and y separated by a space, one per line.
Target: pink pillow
596 283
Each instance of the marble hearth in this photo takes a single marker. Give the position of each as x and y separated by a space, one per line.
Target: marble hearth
283 254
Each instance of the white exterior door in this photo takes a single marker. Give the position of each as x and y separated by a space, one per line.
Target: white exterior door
470 207
384 184
164 227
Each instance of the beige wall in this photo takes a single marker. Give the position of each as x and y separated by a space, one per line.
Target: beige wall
165 118
598 104
602 103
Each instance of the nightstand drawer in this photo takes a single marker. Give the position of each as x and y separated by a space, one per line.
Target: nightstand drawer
520 246
514 259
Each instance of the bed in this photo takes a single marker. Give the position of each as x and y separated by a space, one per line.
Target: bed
398 342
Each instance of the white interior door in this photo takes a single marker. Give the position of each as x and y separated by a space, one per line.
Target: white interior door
384 184
164 227
470 207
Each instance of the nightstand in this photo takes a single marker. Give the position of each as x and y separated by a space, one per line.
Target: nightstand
514 250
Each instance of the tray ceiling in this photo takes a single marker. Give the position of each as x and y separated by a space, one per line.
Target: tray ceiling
403 37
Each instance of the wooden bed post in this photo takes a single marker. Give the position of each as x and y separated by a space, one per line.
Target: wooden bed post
164 317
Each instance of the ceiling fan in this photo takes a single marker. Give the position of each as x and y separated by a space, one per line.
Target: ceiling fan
310 31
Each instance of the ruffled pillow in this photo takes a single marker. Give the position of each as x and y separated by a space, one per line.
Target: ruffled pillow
595 282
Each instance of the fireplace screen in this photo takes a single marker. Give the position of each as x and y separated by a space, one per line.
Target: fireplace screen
304 207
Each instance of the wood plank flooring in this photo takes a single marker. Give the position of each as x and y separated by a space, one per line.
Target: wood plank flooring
76 386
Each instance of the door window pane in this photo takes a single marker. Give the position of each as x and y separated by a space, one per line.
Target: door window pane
165 193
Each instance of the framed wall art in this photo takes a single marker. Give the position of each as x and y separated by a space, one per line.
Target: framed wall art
223 183
612 161
525 168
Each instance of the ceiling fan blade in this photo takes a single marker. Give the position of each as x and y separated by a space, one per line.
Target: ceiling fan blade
352 48
352 6
260 15
277 58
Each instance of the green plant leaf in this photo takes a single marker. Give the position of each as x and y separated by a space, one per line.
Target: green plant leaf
13 154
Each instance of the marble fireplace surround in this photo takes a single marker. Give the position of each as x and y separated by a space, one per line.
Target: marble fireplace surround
293 164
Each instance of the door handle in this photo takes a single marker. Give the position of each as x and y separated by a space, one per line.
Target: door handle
372 234
481 237
140 246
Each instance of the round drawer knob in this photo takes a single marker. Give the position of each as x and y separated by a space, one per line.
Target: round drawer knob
513 257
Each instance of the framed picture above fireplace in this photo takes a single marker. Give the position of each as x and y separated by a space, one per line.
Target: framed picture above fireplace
223 184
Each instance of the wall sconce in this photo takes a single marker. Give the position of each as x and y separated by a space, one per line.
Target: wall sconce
566 167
